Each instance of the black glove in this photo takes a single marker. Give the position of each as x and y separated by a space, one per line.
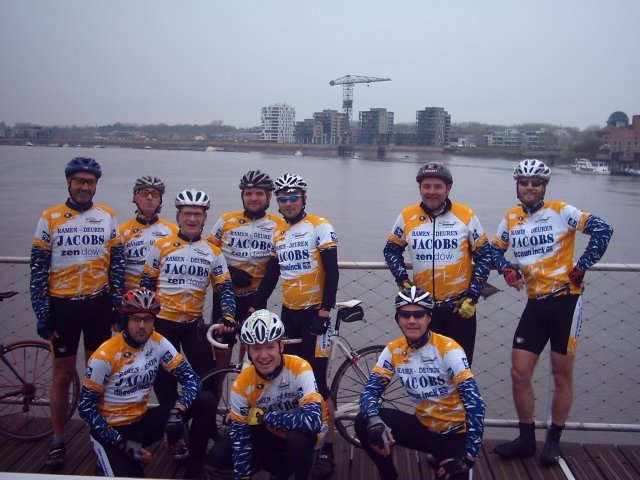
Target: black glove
45 330
378 431
132 450
320 325
239 277
456 466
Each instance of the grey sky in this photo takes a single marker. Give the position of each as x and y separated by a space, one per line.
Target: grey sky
83 62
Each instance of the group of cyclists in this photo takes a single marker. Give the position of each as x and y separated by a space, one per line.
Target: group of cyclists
147 281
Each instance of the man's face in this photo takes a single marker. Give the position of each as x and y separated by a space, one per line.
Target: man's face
191 220
255 200
434 192
140 326
531 190
413 321
148 200
266 357
290 203
82 187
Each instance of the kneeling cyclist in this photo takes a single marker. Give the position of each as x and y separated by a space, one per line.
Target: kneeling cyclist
277 414
449 418
116 389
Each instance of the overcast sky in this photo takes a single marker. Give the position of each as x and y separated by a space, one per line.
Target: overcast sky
85 62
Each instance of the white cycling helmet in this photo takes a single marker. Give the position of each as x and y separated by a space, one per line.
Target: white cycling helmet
414 296
290 182
192 198
532 167
262 326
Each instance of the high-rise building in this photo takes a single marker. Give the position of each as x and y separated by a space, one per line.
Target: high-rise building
433 127
278 123
376 127
309 131
333 124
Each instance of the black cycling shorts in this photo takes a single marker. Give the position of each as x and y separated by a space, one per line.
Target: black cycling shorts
70 318
558 319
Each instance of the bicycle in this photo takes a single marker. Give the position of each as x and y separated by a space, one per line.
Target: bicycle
349 380
26 375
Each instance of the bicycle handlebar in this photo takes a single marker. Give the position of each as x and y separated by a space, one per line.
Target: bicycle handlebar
225 346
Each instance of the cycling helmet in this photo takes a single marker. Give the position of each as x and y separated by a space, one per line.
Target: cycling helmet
256 179
414 296
148 181
140 300
289 182
262 326
532 167
192 198
434 170
83 164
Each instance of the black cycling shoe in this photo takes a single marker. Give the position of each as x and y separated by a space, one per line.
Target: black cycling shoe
323 467
550 453
518 448
56 457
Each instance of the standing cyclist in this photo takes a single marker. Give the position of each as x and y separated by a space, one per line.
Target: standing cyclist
449 252
77 278
246 240
180 268
305 254
449 417
114 399
276 410
146 227
541 235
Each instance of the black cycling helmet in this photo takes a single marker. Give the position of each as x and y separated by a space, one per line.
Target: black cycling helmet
435 170
256 179
414 296
83 164
148 181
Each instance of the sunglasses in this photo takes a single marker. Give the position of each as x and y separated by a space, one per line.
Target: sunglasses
79 181
523 182
291 198
407 314
150 192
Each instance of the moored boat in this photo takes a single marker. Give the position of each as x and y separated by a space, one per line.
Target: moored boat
583 165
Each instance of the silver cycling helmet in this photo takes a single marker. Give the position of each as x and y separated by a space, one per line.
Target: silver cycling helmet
290 182
256 179
262 326
532 167
414 296
193 198
148 181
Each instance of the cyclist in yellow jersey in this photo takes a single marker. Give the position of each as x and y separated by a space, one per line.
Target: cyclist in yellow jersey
180 268
115 395
77 278
541 235
448 421
141 231
277 414
305 255
449 252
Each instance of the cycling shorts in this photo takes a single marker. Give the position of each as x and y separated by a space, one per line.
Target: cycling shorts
297 324
69 318
558 319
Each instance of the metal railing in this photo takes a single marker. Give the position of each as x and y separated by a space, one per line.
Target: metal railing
607 367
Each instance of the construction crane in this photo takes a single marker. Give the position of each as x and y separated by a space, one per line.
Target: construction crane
347 83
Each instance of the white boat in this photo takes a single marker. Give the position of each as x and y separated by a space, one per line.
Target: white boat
298 153
584 165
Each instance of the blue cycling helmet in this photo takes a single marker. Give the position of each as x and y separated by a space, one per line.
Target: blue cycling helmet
83 164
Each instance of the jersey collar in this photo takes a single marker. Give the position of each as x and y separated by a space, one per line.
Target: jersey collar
144 221
254 215
78 207
188 239
447 207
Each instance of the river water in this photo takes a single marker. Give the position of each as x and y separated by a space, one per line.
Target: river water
360 196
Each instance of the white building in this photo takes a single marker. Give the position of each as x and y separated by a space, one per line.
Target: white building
278 123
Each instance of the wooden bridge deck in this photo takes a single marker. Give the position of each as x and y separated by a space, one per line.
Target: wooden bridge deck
586 461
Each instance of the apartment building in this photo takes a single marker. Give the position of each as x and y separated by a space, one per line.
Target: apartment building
333 125
278 123
433 126
310 131
376 127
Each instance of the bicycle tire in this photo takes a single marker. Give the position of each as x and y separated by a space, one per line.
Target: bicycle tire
348 384
224 378
24 406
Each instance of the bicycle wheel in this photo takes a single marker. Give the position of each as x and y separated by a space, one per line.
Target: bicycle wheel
222 378
348 384
26 374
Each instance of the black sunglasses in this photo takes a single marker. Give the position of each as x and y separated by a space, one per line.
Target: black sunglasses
525 182
407 314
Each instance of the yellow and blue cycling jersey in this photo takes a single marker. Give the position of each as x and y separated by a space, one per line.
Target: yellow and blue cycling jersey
180 270
297 248
76 253
246 244
119 377
138 236
543 244
449 252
